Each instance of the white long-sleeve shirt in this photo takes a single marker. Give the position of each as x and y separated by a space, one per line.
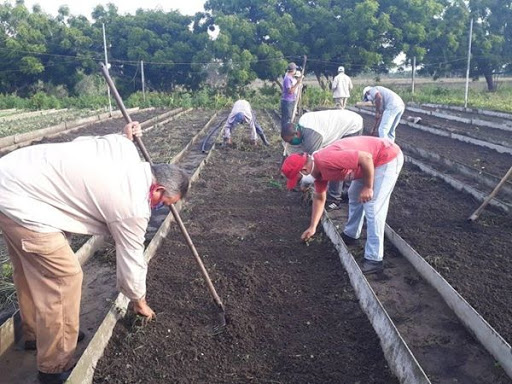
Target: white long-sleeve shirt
241 106
92 185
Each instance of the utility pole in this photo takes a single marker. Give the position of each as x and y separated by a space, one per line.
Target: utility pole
142 79
413 75
469 62
108 66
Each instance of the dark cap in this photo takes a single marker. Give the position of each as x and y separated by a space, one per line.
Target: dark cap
291 67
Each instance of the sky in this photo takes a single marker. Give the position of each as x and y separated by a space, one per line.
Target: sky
85 7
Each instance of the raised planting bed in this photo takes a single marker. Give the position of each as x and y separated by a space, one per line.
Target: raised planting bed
39 119
99 272
472 257
292 314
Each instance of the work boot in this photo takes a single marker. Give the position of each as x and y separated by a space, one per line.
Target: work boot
31 345
264 139
371 266
349 240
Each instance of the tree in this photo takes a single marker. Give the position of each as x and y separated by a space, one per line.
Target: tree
173 52
491 44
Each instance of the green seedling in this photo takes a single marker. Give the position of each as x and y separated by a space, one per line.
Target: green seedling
275 184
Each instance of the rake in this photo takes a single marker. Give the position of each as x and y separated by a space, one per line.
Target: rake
221 313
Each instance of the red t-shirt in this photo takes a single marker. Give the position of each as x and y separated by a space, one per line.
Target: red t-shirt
339 161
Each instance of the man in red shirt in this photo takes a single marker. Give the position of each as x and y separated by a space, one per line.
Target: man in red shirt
373 165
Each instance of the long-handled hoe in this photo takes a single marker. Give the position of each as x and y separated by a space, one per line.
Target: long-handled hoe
220 327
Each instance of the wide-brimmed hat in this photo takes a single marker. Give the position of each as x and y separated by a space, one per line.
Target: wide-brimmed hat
291 168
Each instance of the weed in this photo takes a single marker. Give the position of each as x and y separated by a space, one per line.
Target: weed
275 184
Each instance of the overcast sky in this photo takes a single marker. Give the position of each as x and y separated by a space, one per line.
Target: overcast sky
85 7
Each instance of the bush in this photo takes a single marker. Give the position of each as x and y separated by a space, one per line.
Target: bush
41 100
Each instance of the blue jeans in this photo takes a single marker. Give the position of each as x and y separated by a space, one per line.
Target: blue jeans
376 210
286 112
389 122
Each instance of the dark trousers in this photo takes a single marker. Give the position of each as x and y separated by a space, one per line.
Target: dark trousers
286 112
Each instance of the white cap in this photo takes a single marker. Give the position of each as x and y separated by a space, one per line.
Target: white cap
297 73
365 90
341 69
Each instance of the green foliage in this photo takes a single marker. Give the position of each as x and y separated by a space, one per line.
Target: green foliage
501 100
315 97
43 101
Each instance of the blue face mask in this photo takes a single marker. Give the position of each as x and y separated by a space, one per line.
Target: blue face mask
296 141
158 206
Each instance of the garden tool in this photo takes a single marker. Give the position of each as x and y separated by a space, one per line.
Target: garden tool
487 200
219 328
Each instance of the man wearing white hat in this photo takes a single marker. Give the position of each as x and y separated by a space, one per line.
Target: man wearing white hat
341 87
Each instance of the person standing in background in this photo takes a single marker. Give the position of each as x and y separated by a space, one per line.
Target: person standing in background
289 95
341 87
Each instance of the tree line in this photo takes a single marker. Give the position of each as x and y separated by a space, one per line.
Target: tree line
242 40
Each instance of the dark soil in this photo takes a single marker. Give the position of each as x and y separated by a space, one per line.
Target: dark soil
473 257
292 314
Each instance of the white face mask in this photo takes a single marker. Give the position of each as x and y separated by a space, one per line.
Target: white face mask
306 181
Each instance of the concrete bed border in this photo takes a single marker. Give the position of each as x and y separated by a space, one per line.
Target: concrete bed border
469 317
478 111
440 132
10 329
398 355
465 120
168 118
485 178
83 372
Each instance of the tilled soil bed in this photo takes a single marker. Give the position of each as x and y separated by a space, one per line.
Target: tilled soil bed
473 257
292 314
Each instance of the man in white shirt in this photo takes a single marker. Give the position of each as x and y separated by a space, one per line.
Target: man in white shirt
341 87
389 108
317 130
92 185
